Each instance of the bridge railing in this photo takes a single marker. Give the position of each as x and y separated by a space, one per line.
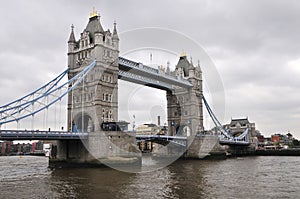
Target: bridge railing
40 134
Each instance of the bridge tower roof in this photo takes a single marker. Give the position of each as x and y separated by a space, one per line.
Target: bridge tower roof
72 37
184 64
115 33
94 25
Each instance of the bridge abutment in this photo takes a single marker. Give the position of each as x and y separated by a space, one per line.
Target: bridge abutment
205 146
106 148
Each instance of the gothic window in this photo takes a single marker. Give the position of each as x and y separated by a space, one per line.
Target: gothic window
92 95
175 113
110 114
103 97
106 97
103 114
179 112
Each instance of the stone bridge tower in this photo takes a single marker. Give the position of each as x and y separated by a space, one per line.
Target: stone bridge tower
96 99
185 109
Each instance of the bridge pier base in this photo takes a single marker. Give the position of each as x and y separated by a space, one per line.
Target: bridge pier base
240 150
205 146
170 150
110 148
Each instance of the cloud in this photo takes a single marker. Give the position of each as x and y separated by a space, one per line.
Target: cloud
254 45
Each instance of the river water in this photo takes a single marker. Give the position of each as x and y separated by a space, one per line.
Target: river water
249 177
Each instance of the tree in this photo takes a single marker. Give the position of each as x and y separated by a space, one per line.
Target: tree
296 142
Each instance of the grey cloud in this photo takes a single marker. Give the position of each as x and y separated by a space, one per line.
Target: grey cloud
250 42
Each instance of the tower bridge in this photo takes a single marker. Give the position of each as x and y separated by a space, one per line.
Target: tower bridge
94 67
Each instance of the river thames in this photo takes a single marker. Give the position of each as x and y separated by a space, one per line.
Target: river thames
248 177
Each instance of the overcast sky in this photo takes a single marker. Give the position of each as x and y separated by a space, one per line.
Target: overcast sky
254 45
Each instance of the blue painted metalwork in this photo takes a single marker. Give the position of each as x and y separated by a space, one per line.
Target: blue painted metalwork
226 137
178 140
24 105
138 71
55 81
128 70
41 135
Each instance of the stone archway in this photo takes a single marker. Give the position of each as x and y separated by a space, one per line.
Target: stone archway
183 130
84 123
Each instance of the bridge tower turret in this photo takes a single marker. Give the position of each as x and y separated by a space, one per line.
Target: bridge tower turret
96 99
115 38
185 114
71 47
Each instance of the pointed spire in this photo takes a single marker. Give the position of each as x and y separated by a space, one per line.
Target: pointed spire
192 65
72 37
115 33
199 67
168 67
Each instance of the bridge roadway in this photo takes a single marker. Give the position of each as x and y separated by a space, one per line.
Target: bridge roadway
64 135
40 135
233 142
179 140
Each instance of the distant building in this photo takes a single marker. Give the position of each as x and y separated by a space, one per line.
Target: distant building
275 138
282 139
147 129
238 126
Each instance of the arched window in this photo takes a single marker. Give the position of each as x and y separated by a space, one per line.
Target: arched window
103 114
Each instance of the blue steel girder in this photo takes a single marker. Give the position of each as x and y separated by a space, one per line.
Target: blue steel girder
139 79
160 80
178 140
41 135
